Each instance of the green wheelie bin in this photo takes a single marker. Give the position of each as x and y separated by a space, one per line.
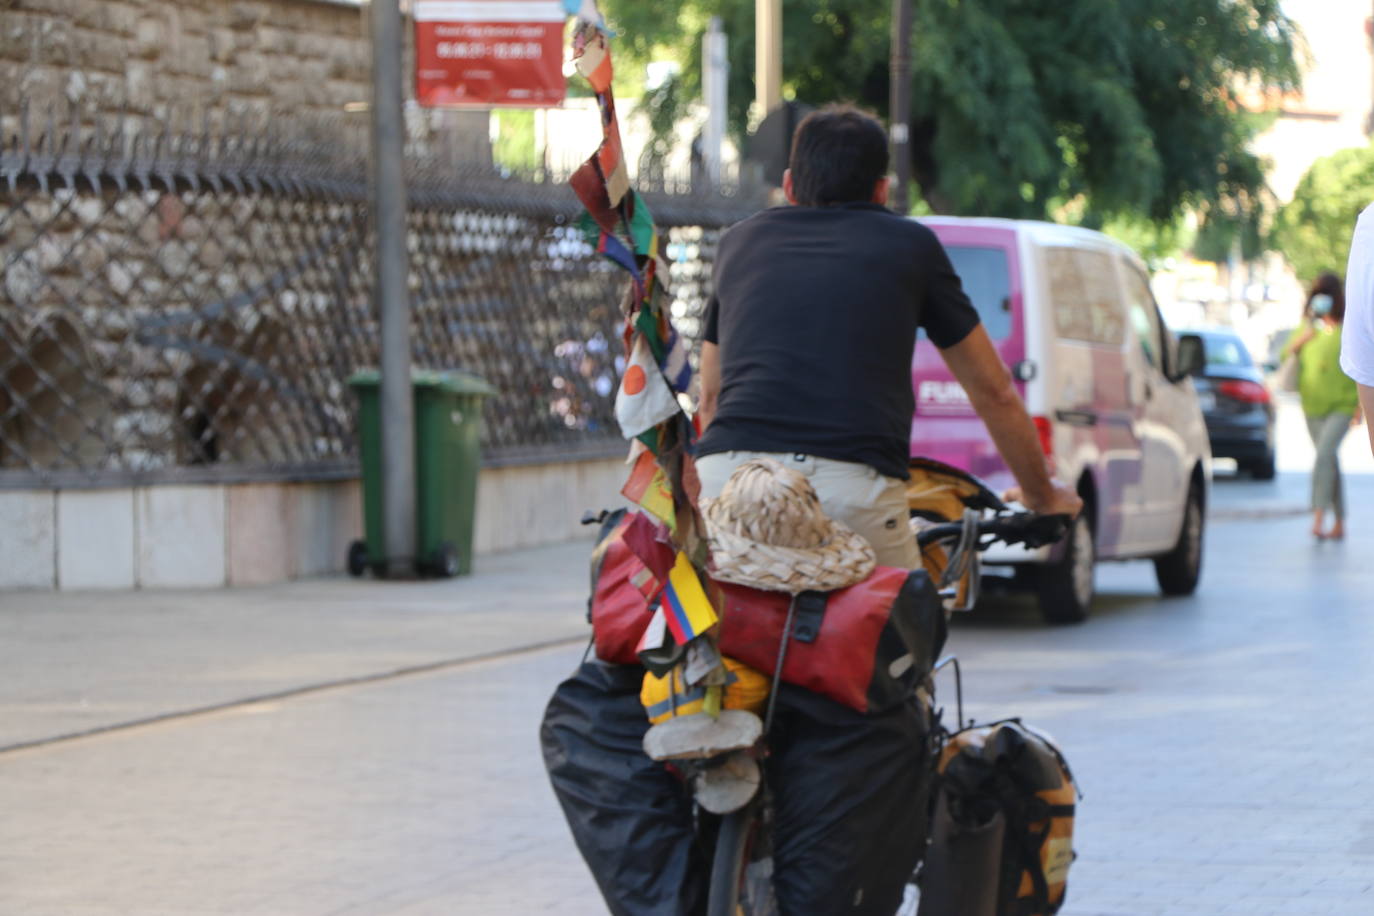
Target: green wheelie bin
448 428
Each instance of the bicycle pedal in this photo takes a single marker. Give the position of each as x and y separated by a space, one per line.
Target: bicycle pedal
728 786
702 735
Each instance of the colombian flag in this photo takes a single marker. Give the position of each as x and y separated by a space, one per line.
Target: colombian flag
687 609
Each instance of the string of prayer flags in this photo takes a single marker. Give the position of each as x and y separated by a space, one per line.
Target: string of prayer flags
609 245
676 369
649 543
647 323
663 479
691 481
585 11
686 609
612 248
590 187
657 651
644 399
594 63
670 442
648 487
620 226
657 275
642 231
610 156
704 664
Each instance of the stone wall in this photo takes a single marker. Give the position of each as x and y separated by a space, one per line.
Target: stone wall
208 536
160 61
149 57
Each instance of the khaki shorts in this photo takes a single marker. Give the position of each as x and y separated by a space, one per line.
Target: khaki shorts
872 504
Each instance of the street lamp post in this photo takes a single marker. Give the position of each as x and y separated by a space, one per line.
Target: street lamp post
767 55
899 106
715 75
391 296
1369 33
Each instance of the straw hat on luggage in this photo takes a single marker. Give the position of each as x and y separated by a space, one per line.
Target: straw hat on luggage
766 530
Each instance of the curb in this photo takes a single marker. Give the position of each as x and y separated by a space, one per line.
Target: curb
1257 512
287 693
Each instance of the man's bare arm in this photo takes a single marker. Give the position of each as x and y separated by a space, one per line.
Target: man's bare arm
987 382
710 383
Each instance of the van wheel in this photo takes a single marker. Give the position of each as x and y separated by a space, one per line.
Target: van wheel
1065 588
1179 570
1263 469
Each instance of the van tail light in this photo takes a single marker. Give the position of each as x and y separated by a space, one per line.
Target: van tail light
1046 433
1244 390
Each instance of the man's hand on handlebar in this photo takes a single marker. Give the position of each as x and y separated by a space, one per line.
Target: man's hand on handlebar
1058 500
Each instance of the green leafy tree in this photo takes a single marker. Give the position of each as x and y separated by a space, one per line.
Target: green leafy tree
1313 230
1021 107
1154 241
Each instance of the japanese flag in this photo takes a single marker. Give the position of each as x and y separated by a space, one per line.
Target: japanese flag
644 400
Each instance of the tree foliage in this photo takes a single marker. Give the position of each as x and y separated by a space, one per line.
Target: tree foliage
1313 231
1122 107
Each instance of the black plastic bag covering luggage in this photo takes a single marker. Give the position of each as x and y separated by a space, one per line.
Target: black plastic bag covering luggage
1002 835
850 800
630 817
962 865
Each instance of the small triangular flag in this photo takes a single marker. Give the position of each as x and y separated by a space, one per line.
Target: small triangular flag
644 399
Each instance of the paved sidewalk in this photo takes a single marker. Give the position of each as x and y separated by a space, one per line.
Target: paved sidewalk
1223 769
1214 736
79 661
82 661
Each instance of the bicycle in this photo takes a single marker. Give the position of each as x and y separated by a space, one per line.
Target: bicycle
741 869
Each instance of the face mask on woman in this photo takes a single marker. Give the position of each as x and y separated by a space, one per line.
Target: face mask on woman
1321 305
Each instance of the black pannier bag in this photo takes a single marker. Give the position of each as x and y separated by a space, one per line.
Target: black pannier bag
1002 830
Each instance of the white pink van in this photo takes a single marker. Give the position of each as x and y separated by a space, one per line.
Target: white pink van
1109 386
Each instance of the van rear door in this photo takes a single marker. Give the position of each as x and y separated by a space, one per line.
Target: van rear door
945 426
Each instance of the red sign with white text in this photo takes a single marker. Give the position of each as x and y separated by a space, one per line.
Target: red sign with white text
486 53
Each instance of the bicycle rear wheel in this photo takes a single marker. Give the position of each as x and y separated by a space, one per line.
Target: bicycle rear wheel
742 868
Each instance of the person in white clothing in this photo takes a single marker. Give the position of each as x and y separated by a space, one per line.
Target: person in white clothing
1357 341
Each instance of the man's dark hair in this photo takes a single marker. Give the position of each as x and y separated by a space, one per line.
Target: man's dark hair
838 155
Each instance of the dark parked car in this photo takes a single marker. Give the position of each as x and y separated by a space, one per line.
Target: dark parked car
1236 404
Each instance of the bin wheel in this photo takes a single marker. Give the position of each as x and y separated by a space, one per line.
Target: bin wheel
446 560
357 558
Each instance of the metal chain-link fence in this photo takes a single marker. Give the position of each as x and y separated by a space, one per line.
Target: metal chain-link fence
190 306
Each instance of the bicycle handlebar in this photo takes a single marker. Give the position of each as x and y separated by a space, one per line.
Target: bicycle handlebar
1026 528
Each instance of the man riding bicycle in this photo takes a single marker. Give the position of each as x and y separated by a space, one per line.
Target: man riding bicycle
810 334
806 363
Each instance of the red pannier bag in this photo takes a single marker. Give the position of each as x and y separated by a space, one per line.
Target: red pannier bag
623 584
866 646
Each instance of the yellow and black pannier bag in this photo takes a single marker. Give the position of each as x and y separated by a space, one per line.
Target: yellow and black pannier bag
1002 830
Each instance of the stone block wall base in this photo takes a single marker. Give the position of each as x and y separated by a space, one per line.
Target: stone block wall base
97 539
28 539
181 536
257 534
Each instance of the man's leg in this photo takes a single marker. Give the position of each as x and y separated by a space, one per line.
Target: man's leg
714 470
850 798
871 504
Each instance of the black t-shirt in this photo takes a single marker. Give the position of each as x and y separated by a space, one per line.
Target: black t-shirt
815 312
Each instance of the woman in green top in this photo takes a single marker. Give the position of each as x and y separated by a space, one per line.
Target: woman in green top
1330 399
